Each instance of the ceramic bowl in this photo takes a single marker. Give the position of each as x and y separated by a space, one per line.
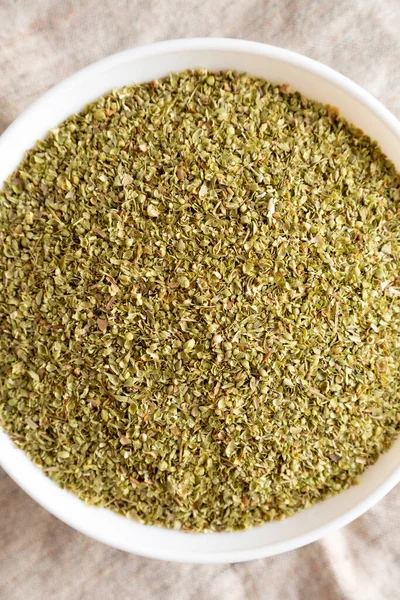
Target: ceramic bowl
151 62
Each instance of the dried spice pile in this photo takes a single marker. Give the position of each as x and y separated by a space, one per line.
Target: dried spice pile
200 302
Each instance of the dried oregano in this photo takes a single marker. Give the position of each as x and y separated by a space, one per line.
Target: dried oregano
200 302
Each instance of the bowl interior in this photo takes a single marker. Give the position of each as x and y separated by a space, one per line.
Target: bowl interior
152 62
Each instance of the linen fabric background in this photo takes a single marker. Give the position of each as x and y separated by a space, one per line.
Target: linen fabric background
41 43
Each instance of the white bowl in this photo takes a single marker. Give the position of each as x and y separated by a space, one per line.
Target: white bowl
151 62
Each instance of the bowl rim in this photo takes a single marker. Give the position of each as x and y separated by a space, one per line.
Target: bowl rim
7 456
217 44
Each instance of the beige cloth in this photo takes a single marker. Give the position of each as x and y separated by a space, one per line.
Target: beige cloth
43 41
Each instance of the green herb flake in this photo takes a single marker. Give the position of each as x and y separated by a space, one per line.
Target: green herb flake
200 302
